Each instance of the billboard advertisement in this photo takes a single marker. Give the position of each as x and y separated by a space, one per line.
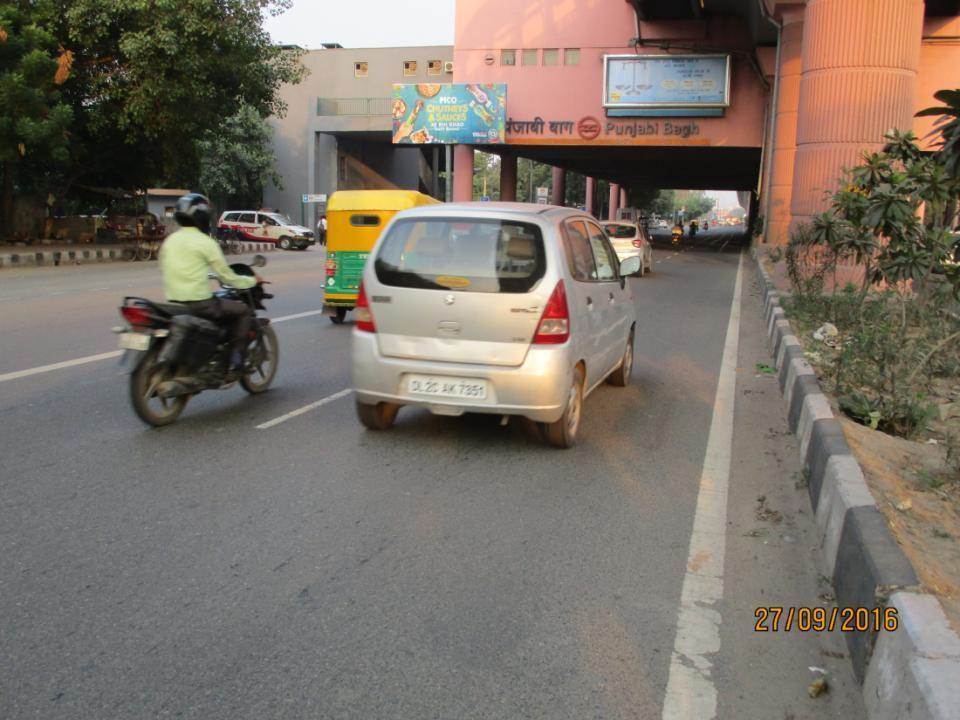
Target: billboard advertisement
666 81
426 113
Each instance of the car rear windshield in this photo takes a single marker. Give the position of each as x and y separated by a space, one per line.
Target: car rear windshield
464 254
620 231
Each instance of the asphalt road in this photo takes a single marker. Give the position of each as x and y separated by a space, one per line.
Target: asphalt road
449 568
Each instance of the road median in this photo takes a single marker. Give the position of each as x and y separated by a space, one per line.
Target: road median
912 671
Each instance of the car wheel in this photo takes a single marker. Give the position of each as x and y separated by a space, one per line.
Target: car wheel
377 417
621 376
563 432
284 243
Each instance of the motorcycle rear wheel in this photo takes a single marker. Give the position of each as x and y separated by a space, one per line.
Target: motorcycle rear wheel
148 406
264 356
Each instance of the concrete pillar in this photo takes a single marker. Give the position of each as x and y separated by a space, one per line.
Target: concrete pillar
858 80
614 201
588 201
508 178
623 197
780 183
559 186
462 173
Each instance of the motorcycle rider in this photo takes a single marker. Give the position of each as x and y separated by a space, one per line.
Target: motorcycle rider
186 258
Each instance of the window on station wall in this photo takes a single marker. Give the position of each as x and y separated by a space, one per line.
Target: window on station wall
360 69
551 57
434 67
409 68
571 56
508 57
528 57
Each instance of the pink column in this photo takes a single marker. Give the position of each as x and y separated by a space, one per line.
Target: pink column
462 173
858 80
508 178
591 191
614 201
559 186
785 135
623 197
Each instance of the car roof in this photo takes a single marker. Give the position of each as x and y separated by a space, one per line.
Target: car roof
497 209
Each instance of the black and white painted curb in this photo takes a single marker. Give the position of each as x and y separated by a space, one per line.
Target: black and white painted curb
50 258
914 671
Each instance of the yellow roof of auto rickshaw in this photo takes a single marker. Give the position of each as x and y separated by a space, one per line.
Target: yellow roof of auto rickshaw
377 200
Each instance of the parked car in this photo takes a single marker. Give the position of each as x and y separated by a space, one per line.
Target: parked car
631 239
500 308
260 226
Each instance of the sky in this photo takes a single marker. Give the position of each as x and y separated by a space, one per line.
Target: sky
364 23
725 198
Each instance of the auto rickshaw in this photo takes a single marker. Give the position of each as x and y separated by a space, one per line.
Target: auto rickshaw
355 219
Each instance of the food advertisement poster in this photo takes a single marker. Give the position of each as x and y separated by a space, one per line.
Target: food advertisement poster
450 113
650 81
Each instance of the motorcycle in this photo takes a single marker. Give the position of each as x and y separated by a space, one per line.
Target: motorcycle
677 233
175 355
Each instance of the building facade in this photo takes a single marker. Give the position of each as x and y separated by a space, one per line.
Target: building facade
336 133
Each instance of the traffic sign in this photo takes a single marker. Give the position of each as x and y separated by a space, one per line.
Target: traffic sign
314 198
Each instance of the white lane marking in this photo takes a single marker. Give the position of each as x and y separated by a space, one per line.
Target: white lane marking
115 353
60 365
691 693
305 409
297 316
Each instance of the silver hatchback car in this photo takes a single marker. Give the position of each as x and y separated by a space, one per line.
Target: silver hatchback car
502 308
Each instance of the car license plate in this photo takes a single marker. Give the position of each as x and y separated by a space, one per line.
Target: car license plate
134 341
448 387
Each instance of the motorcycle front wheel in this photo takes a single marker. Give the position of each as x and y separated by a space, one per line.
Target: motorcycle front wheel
262 358
147 404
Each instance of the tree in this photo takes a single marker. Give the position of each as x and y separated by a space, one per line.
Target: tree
149 79
236 160
34 119
531 175
486 175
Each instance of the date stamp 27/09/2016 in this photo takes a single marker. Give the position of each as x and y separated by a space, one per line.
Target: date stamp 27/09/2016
820 619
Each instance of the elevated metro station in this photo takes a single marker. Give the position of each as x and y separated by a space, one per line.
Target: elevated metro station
807 86
811 86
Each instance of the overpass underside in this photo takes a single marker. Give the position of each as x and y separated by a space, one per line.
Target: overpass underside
694 168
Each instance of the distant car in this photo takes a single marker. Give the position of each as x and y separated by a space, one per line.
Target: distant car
499 308
630 239
662 225
272 227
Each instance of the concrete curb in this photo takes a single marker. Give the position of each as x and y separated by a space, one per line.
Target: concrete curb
913 672
55 258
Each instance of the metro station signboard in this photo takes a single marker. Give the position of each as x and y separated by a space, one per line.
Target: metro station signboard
430 114
665 82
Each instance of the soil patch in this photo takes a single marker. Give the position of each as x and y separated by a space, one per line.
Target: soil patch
922 507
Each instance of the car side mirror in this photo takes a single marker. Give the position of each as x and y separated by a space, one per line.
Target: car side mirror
258 261
630 266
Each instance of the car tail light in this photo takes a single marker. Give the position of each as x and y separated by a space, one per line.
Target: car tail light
554 327
136 316
363 315
331 266
637 243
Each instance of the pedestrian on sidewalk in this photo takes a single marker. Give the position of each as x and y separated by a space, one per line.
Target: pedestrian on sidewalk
322 230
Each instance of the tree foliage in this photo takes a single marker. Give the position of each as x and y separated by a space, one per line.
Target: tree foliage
143 82
237 161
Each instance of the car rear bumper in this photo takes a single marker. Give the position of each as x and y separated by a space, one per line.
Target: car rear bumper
537 389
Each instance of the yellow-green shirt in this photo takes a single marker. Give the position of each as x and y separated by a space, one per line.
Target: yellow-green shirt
186 258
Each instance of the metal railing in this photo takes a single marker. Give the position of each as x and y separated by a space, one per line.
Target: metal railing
355 106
